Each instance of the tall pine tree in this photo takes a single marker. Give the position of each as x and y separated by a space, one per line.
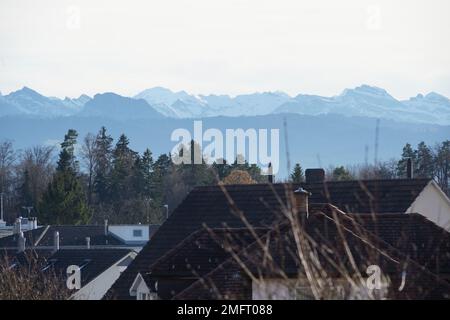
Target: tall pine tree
408 153
64 201
424 162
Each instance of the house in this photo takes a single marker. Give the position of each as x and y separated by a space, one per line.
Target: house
260 206
412 253
408 269
97 269
54 237
25 224
86 273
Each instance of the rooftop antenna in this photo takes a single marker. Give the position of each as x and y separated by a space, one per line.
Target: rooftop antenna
377 133
287 145
319 161
366 156
167 211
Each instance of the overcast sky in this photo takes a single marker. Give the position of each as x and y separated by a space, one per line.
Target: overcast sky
65 48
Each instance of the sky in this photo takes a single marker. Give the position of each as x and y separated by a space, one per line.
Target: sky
66 48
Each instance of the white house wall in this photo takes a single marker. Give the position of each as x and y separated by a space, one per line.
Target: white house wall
96 289
433 204
125 232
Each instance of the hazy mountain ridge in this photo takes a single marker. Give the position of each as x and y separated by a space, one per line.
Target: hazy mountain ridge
373 102
114 106
342 142
363 101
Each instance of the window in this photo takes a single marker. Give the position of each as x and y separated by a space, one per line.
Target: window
147 296
137 233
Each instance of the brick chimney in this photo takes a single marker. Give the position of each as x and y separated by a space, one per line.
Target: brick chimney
270 173
21 242
55 241
409 169
315 175
301 201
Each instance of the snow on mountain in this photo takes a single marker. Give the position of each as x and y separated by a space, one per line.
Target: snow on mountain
7 108
183 105
172 104
375 102
363 101
29 102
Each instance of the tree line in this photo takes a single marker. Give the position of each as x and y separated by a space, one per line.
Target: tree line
99 178
427 163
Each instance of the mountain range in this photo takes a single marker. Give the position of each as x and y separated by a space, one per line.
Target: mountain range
158 102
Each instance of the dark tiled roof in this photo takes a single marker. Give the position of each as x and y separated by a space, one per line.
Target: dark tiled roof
68 236
261 205
365 196
394 242
92 262
24 258
202 251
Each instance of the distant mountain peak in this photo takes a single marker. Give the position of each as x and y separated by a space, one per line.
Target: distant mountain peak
368 90
434 96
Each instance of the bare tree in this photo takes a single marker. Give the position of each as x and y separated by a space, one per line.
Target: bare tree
7 159
88 154
30 281
34 172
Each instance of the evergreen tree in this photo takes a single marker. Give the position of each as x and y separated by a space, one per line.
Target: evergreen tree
442 166
341 174
408 153
123 166
142 174
424 163
64 200
221 168
102 166
297 175
67 160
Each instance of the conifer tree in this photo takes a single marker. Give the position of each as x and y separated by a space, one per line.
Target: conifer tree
64 200
297 175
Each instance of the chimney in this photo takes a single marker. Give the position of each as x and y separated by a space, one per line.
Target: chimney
315 175
32 223
17 226
106 227
270 171
301 201
21 242
55 241
88 242
409 168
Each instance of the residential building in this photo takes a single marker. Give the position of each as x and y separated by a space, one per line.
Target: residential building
261 206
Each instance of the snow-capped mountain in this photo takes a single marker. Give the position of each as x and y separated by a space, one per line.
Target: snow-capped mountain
374 102
183 105
363 101
76 104
172 104
433 106
7 108
29 102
